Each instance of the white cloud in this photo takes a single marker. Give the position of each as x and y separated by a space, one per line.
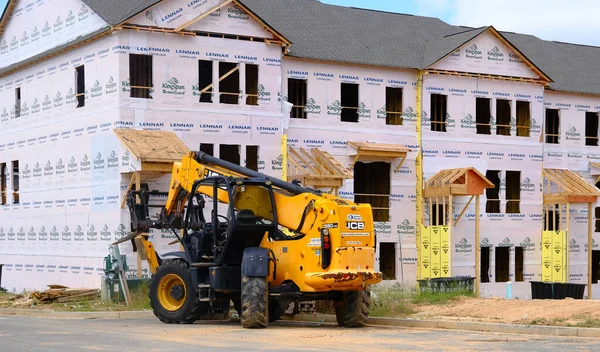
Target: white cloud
574 21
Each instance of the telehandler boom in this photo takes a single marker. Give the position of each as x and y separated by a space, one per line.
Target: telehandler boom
264 244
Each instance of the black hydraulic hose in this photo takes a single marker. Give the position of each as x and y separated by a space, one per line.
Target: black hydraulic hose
290 187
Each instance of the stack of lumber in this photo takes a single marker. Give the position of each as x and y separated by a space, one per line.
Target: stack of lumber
63 294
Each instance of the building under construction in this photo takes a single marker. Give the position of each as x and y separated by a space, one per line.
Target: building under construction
469 143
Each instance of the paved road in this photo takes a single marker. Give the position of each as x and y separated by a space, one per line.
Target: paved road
66 335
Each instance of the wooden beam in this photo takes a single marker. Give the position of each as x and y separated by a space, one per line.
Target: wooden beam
157 167
582 199
568 228
590 247
198 18
450 216
477 248
127 190
400 164
463 211
436 192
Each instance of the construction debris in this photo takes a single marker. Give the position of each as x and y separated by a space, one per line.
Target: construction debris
63 294
55 293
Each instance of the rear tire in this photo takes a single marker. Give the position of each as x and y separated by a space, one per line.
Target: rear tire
353 310
254 300
173 297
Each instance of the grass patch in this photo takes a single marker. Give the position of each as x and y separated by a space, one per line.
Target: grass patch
398 300
588 323
139 301
391 301
441 297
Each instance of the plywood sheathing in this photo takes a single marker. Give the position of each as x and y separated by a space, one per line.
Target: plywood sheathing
153 146
368 151
316 168
466 181
566 186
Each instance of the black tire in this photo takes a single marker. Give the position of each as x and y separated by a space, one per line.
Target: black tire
189 308
353 310
276 309
254 300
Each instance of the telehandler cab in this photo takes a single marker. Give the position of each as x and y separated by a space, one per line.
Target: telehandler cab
266 243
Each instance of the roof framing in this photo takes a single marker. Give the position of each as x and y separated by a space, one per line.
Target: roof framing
316 168
563 186
466 181
379 152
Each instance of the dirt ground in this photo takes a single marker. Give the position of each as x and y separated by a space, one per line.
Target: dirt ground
499 310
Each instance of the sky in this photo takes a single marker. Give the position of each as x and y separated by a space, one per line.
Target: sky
573 21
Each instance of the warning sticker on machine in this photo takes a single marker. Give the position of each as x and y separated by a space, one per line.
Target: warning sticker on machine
354 242
314 242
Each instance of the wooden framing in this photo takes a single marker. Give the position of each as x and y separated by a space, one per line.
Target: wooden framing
156 151
198 18
378 152
466 181
7 12
565 187
316 168
444 186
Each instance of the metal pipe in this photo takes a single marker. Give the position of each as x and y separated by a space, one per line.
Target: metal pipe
292 188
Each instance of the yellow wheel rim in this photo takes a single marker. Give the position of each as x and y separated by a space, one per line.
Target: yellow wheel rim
171 292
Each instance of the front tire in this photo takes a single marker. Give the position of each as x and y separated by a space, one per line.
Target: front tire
254 298
353 309
173 297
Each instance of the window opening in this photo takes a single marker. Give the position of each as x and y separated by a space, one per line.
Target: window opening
523 119
552 219
387 260
252 157
230 152
297 97
591 128
482 115
251 84
519 264
15 181
438 109
140 74
502 117
205 81
502 268
485 264
492 204
349 102
597 221
372 186
80 85
552 126
208 149
513 192
438 215
595 266
3 184
18 102
229 83
393 106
